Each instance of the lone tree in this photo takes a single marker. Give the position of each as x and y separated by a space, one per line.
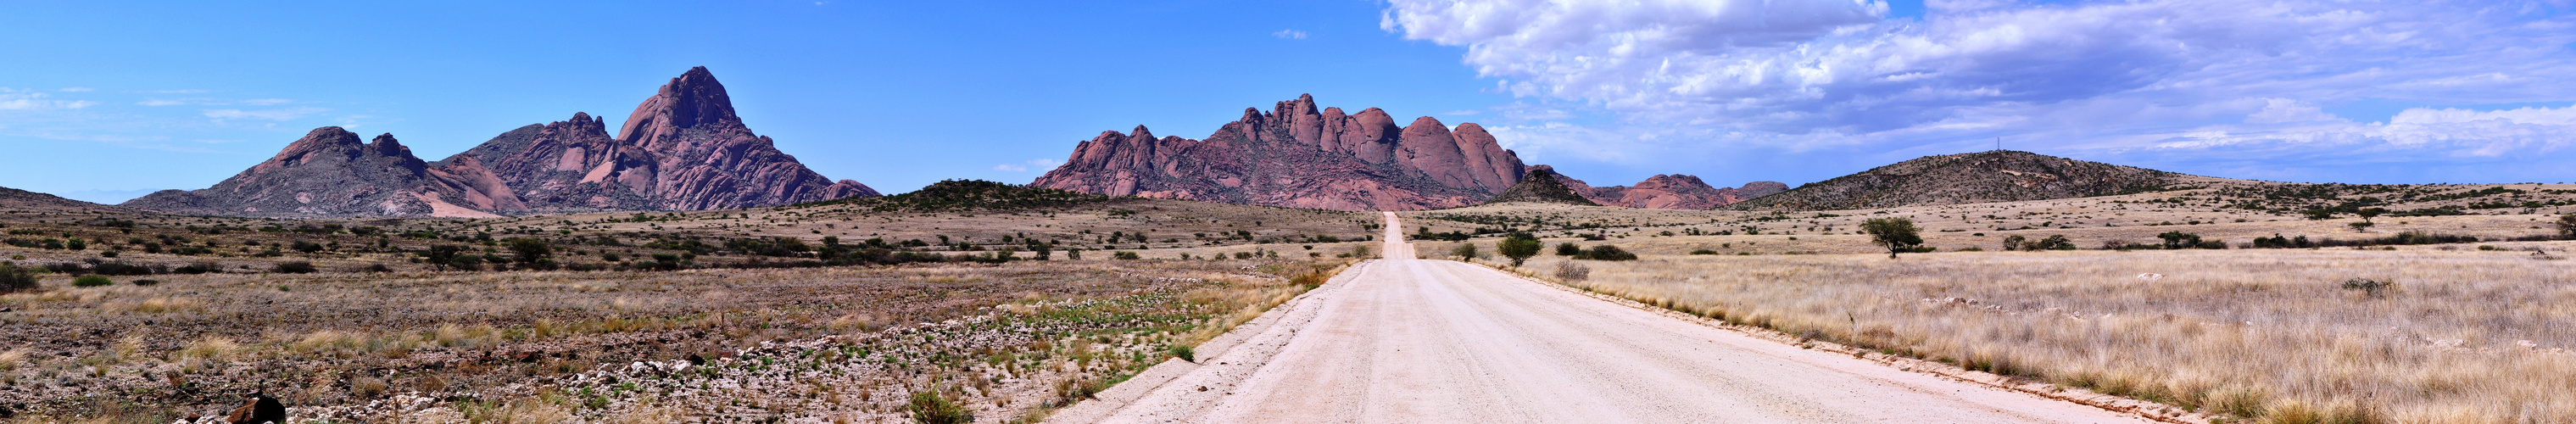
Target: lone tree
530 251
1898 234
1519 247
442 256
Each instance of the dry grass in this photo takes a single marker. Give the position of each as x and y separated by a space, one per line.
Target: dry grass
552 346
2271 335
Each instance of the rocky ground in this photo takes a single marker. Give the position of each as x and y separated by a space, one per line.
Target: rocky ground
1003 343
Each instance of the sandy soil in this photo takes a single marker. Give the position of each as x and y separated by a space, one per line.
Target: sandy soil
1408 340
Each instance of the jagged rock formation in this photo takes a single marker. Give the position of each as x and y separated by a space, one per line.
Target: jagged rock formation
682 149
1298 156
1541 185
1675 191
1995 176
329 172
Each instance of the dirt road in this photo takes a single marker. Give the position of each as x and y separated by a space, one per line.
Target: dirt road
1410 340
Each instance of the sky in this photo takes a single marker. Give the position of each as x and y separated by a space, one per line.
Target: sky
105 101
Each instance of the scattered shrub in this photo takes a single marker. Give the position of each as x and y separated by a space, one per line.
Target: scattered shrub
1703 252
13 278
2370 288
1570 272
1568 249
1183 352
929 408
146 282
297 267
199 268
92 281
1126 256
1607 253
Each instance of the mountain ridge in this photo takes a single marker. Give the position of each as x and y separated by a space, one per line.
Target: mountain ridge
683 149
1991 176
1301 156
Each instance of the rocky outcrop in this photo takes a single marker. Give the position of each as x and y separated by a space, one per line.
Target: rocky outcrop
682 149
1675 191
1297 155
1541 185
1995 176
330 173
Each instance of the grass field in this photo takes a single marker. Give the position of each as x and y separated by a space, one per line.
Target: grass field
2275 335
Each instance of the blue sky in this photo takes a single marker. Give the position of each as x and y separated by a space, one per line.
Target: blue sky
101 100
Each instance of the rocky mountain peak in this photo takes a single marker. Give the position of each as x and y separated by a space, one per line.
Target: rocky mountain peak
683 149
688 101
1299 155
330 173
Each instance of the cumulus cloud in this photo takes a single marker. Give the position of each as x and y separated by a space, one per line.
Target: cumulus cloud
1807 74
1289 34
287 114
1010 168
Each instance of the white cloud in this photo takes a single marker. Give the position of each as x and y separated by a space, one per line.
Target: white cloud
75 89
13 100
271 114
1289 34
1026 166
266 102
161 102
1838 75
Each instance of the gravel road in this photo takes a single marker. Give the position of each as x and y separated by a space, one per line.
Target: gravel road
1410 340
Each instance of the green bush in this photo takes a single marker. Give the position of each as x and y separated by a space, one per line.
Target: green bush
1125 256
929 408
92 281
1568 249
13 278
1703 252
1607 253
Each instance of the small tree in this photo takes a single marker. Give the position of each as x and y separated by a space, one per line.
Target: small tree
1897 234
442 256
2179 240
2363 226
1519 247
530 251
2367 214
2013 243
1464 251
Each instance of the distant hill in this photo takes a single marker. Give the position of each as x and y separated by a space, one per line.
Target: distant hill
973 195
22 200
1996 176
1667 191
1541 185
